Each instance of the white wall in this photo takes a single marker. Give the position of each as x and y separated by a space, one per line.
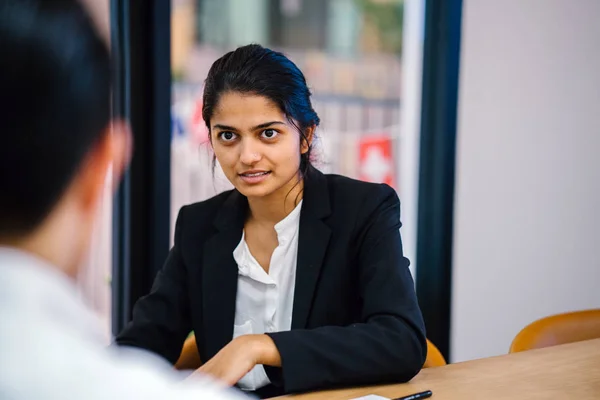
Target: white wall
527 201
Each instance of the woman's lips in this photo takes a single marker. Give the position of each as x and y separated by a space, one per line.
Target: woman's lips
254 177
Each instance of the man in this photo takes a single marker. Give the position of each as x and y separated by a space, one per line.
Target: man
57 145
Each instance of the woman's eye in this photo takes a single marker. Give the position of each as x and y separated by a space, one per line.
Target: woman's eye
227 136
269 133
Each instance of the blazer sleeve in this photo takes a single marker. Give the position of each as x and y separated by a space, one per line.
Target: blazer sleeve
161 320
388 345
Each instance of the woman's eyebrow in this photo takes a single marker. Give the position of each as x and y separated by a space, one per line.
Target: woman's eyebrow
267 124
260 126
225 127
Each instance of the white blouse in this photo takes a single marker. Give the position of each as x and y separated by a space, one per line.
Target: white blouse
264 302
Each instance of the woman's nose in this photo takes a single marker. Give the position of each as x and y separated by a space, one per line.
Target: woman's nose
250 153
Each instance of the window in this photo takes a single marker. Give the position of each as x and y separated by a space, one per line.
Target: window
351 52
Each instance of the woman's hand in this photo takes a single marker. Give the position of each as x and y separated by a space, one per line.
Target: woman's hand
241 355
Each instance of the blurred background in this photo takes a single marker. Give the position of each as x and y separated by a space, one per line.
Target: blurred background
482 114
350 52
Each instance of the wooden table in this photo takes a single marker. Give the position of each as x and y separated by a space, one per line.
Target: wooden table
570 372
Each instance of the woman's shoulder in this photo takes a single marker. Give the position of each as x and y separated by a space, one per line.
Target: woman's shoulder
345 189
208 206
356 202
201 215
362 207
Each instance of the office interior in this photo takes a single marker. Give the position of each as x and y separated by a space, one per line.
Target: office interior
482 114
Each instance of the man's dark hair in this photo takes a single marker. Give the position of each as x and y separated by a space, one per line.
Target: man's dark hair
54 105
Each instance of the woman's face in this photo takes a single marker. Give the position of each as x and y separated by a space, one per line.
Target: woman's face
255 144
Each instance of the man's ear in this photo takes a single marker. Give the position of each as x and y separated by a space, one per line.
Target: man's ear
307 139
122 150
112 152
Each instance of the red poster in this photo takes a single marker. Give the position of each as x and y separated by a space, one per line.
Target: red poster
376 163
199 131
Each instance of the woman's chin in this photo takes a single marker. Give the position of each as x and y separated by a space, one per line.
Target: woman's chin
260 190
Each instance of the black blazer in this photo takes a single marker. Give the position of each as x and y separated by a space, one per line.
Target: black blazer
355 317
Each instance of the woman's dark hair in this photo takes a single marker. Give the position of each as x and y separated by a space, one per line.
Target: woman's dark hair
257 70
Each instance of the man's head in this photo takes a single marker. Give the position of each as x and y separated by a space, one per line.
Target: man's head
56 141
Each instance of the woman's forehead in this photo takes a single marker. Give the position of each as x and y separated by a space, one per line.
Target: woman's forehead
244 111
232 104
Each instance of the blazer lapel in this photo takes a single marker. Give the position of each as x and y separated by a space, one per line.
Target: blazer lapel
313 240
220 273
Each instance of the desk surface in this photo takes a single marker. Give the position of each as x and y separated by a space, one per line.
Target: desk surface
570 371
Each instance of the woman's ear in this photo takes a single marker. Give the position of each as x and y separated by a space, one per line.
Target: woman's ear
307 139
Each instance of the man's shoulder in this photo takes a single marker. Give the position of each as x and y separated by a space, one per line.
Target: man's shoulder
45 361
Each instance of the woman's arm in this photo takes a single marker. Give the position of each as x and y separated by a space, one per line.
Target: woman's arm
240 355
161 320
389 343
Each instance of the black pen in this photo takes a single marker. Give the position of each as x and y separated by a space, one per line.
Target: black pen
421 395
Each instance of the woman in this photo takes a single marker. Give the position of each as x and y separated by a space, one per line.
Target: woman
294 280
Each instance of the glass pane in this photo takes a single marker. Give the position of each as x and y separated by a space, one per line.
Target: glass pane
351 54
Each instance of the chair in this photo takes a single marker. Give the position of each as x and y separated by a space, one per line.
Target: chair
189 358
434 357
558 329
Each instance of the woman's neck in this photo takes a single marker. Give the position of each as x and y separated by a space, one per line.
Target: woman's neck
275 207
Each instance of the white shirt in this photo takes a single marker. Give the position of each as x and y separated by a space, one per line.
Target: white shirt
51 345
264 302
